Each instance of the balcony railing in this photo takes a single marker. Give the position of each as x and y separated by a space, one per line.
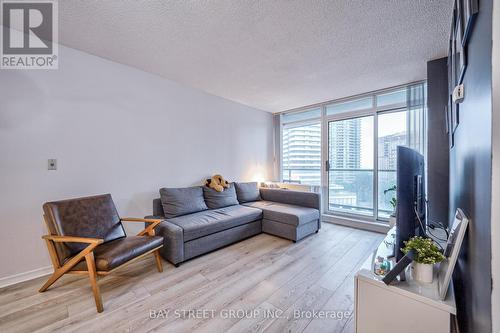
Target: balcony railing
350 190
308 176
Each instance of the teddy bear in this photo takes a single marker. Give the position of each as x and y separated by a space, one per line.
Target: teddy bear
217 182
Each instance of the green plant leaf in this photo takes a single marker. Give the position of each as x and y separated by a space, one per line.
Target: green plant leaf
426 251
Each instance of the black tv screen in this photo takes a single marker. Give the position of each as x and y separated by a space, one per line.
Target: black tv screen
410 197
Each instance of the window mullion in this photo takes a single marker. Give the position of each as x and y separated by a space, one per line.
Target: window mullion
375 161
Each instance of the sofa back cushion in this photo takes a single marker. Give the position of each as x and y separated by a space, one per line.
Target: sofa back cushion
299 198
158 208
247 192
182 201
215 199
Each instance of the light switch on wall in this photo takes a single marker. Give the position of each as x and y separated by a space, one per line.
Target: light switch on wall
458 94
52 164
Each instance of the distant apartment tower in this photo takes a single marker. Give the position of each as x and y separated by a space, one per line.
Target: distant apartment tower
387 149
345 148
302 154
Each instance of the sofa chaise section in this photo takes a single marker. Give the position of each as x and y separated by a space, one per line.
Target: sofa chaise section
289 214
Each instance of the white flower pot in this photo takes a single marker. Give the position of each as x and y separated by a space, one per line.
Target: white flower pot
423 272
392 221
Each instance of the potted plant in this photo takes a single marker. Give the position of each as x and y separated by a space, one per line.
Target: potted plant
394 204
426 255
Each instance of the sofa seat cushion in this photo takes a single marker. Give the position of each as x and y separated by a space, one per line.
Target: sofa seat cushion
261 204
285 213
211 221
112 254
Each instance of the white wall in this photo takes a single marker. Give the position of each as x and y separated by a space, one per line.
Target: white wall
495 171
112 129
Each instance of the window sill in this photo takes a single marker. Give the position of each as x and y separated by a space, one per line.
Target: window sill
379 227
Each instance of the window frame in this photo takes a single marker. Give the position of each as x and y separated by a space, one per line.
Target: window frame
298 123
326 200
325 119
398 108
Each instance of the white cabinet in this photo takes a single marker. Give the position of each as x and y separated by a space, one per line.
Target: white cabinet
382 308
407 306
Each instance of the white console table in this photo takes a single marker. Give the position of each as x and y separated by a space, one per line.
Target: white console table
407 306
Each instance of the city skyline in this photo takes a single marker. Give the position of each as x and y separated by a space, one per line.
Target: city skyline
347 145
348 148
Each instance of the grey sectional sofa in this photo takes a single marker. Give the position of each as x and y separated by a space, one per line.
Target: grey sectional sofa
198 220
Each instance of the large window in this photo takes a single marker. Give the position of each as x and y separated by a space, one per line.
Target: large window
355 158
301 149
350 165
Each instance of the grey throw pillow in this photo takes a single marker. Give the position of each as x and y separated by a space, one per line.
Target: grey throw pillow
182 201
247 192
215 199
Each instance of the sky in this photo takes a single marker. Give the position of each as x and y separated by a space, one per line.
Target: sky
389 123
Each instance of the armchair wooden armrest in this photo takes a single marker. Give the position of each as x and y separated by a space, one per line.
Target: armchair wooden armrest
149 230
73 239
136 219
86 253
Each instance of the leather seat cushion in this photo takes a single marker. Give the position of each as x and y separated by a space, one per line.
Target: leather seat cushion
117 252
211 221
285 213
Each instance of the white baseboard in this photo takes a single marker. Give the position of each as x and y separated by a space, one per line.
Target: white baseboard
25 276
21 277
358 224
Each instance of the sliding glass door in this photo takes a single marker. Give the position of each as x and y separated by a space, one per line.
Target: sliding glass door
350 166
392 131
354 176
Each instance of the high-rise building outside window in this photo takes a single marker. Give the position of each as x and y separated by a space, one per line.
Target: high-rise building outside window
360 144
301 149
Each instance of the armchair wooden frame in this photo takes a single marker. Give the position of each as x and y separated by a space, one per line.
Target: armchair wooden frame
88 254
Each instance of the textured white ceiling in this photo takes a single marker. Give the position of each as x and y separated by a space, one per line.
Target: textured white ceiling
272 55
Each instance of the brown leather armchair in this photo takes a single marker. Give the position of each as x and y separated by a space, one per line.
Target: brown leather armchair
86 236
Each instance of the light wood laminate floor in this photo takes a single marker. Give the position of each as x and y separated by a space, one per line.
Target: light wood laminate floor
262 284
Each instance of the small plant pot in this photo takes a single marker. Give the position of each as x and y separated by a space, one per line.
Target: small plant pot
423 272
392 221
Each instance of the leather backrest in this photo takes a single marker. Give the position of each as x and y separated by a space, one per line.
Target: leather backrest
94 217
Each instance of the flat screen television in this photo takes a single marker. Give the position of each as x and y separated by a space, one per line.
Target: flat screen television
410 191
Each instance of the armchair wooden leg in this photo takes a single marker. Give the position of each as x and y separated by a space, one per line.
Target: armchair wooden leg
159 265
89 258
54 277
